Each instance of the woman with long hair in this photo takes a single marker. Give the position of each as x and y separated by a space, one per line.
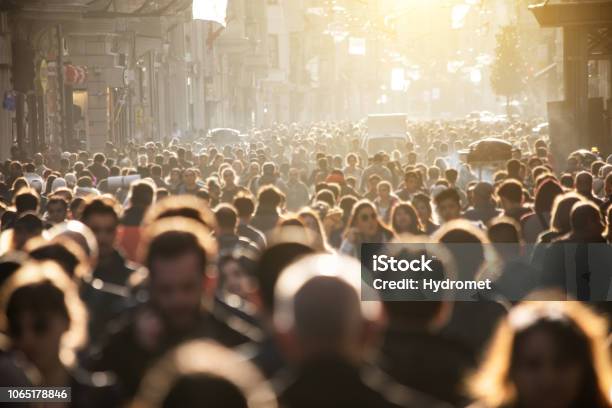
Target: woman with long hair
314 227
422 203
364 226
535 223
404 219
546 355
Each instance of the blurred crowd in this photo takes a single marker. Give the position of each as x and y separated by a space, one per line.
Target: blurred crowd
202 273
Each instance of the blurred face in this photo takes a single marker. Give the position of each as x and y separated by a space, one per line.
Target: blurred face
56 213
411 183
422 210
293 175
403 220
39 337
383 191
176 289
104 227
236 280
372 184
544 377
449 210
228 177
352 161
189 178
366 222
175 176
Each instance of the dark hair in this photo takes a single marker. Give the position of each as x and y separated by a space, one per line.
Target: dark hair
451 175
447 194
244 206
26 200
415 227
503 230
99 158
142 194
270 197
545 195
511 190
327 197
226 216
204 389
100 206
172 244
271 263
41 299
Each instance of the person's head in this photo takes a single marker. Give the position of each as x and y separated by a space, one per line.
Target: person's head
545 195
99 158
189 178
177 252
482 194
585 220
142 194
608 184
229 176
203 373
27 226
545 355
584 183
57 210
513 168
244 205
43 315
404 219
351 160
505 235
187 206
422 203
448 204
227 218
101 215
318 311
468 258
62 250
561 210
365 219
270 197
510 193
326 196
373 181
412 181
26 200
384 189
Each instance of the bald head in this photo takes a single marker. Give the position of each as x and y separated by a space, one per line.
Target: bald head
318 307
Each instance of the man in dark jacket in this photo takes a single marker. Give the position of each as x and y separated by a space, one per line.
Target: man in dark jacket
177 258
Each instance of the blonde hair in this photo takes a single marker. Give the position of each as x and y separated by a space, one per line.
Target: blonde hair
491 384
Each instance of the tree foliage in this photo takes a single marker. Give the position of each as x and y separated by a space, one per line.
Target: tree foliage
508 69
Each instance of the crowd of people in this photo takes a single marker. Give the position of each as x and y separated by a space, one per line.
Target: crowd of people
192 273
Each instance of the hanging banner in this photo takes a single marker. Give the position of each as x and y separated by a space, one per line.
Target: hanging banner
74 74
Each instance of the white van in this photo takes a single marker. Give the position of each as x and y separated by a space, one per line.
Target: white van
386 132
